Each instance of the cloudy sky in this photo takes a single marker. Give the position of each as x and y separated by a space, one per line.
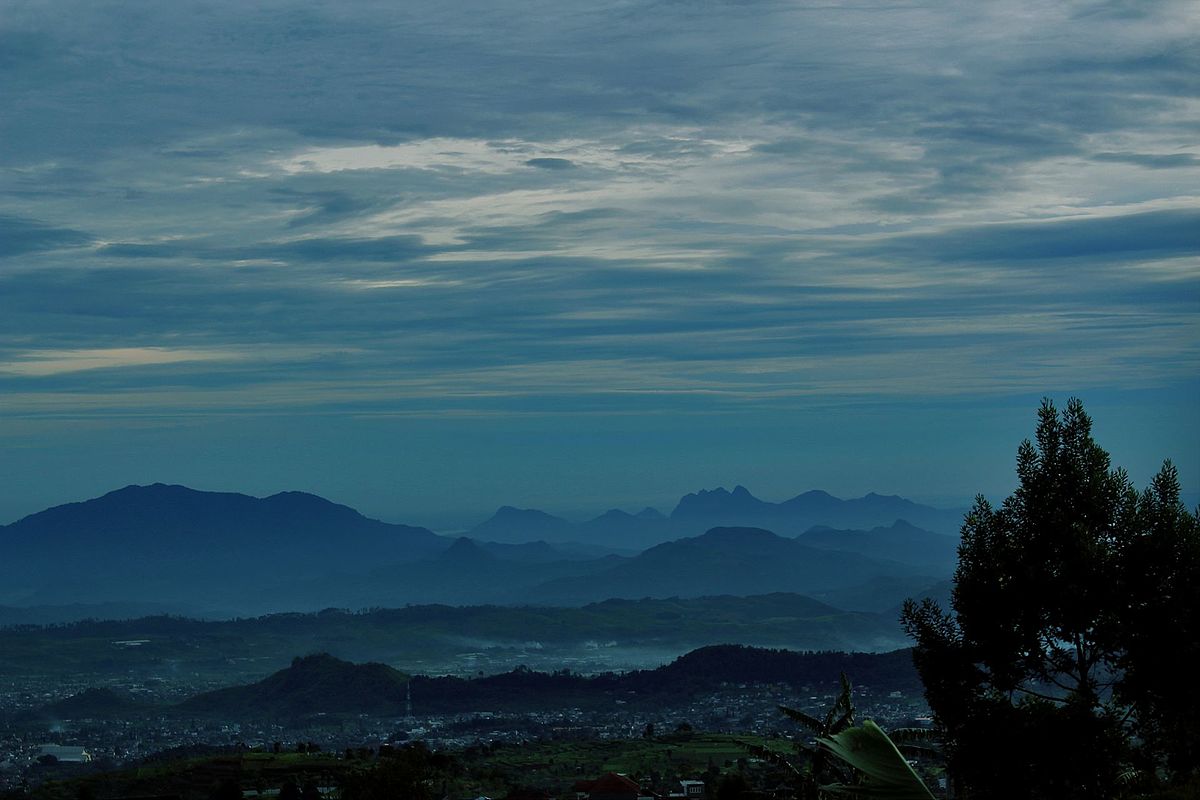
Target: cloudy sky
430 257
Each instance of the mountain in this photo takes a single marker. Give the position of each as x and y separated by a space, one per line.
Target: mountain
179 550
515 525
883 594
736 561
466 554
617 528
901 541
710 504
710 508
466 573
311 685
172 545
810 509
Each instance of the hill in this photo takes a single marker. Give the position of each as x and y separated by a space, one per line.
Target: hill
311 685
323 684
93 703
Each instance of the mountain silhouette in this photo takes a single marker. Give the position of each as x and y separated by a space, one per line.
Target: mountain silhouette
901 541
718 503
514 525
219 553
172 544
465 552
724 560
708 508
810 509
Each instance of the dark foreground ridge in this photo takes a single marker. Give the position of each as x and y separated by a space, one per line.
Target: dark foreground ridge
321 684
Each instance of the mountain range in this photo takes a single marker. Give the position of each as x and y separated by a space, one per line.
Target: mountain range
700 511
223 554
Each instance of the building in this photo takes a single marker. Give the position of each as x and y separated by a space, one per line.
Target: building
610 786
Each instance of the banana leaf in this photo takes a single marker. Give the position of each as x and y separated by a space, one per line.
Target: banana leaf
886 775
812 723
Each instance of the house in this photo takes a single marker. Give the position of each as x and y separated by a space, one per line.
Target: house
610 786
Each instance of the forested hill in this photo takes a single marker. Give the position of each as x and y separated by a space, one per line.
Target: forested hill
377 689
322 684
312 684
705 670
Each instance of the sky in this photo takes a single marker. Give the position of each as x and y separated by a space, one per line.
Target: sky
430 258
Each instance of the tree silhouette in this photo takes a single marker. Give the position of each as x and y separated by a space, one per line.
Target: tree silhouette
1059 614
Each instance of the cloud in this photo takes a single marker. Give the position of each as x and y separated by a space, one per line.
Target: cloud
1152 234
550 163
745 202
19 236
1151 160
313 249
55 362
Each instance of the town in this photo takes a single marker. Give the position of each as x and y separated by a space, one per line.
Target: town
36 749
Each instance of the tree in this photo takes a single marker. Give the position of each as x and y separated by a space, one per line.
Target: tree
1045 666
1160 633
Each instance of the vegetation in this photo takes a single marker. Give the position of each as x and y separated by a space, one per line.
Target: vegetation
1063 669
322 683
881 771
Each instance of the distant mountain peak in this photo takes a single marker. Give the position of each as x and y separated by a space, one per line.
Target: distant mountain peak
614 514
513 525
512 512
877 496
719 502
649 513
737 535
466 550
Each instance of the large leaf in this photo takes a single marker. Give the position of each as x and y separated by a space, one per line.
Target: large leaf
812 723
885 772
771 757
916 741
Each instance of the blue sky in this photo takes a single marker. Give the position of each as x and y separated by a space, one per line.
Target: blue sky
428 258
